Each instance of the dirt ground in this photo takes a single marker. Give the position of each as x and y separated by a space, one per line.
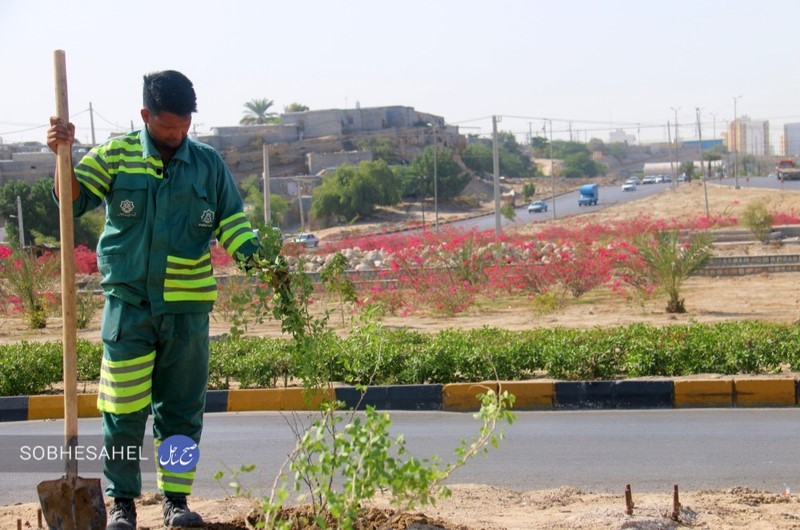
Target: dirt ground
773 297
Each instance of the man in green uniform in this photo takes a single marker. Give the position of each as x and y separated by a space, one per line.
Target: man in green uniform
166 196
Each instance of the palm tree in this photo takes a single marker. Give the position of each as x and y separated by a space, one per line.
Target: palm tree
256 112
670 261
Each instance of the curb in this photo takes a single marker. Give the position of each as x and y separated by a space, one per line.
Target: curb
461 397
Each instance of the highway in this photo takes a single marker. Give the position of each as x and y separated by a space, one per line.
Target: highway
600 450
567 204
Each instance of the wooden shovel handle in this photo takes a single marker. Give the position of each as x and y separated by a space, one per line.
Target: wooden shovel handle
64 168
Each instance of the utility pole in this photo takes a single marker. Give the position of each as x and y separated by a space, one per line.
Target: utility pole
702 166
672 158
713 126
736 144
20 226
91 122
552 170
496 164
265 174
435 183
677 143
300 204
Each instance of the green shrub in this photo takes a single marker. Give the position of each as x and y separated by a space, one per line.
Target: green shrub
28 368
372 355
90 357
758 220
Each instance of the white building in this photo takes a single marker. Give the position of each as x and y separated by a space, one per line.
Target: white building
621 137
791 139
749 137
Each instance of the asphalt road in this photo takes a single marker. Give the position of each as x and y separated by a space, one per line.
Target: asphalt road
598 451
567 204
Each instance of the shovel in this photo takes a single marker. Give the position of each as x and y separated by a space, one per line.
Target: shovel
71 502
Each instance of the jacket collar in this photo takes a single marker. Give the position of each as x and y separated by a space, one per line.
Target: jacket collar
150 150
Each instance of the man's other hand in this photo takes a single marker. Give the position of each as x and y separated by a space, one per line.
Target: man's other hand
59 133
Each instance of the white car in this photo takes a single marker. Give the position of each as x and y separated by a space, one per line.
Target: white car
307 240
628 186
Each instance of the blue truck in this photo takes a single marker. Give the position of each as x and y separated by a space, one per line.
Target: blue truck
589 194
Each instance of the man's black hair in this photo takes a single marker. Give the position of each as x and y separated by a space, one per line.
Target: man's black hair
169 91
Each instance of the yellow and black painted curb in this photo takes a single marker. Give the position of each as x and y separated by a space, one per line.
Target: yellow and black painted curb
734 391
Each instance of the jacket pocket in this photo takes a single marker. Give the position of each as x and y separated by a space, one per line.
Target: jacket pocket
113 313
128 198
202 213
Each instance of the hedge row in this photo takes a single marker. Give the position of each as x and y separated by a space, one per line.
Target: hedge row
406 357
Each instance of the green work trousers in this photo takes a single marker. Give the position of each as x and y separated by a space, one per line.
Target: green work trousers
157 363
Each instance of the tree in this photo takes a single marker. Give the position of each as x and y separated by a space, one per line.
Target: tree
580 164
687 168
596 144
450 180
257 112
295 107
382 147
540 146
40 215
478 157
354 191
669 262
528 190
254 199
562 149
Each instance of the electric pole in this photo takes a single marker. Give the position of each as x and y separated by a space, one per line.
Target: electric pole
496 164
91 122
265 174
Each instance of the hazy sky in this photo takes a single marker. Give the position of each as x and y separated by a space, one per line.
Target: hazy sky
599 64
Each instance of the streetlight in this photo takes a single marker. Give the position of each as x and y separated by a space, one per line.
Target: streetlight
677 145
735 143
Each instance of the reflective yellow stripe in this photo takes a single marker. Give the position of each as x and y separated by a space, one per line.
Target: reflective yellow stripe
167 481
190 280
233 231
125 386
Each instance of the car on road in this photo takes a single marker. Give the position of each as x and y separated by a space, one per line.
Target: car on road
635 180
629 186
650 179
307 240
537 206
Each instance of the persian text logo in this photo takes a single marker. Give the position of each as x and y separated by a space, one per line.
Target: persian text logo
178 454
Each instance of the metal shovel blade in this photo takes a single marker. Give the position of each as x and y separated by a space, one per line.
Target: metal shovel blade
72 503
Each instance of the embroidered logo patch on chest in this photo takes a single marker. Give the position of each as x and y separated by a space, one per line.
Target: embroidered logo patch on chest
127 207
207 219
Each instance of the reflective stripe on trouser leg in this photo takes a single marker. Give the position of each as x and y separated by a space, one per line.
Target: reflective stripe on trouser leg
125 386
169 481
129 341
180 378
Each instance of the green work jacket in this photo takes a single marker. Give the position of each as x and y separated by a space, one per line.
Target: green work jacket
160 221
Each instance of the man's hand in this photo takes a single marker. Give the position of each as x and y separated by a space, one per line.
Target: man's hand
280 279
59 133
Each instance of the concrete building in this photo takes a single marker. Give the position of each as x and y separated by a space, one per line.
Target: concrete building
749 137
791 139
621 137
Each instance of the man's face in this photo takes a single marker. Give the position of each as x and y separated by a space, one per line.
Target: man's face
167 129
